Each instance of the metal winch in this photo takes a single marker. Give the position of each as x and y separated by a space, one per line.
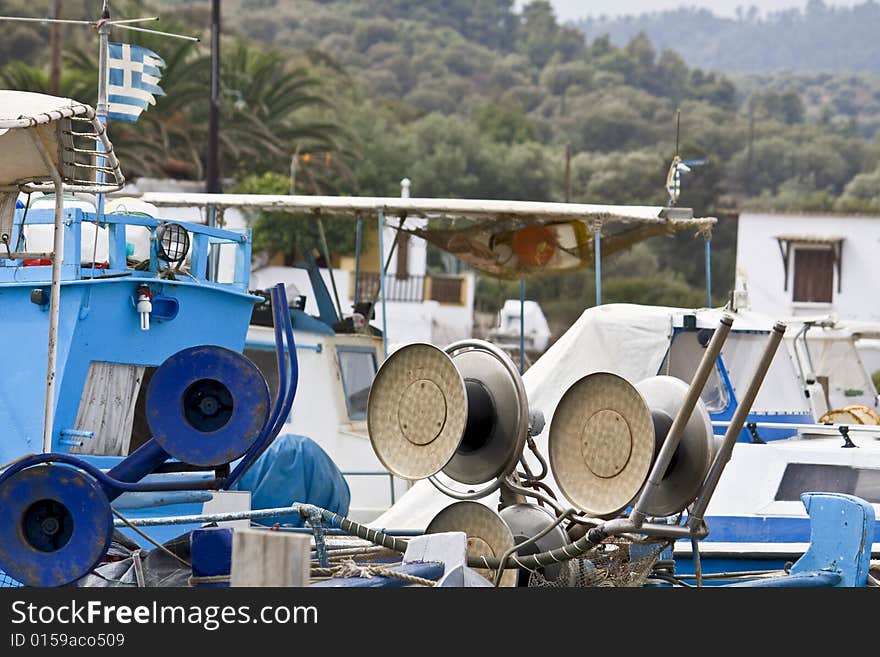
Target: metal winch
206 407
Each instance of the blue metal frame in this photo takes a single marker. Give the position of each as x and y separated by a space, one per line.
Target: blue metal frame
202 238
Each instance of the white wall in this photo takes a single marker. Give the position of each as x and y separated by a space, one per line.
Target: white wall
429 321
759 264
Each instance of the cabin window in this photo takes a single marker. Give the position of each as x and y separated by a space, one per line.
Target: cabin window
681 361
781 393
358 369
813 275
807 477
267 362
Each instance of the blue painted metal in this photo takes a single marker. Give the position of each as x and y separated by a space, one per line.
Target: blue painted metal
841 536
427 570
817 579
136 466
64 525
326 310
281 409
98 322
164 308
308 324
211 553
207 405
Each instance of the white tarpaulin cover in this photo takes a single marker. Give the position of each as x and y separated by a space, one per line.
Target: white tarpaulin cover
20 113
24 115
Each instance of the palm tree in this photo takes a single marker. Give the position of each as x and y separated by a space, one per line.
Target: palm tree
265 110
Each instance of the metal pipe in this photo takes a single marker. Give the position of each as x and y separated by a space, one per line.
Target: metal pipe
358 239
323 237
143 461
695 518
597 259
382 282
522 325
278 416
212 517
54 291
708 272
864 428
673 437
101 109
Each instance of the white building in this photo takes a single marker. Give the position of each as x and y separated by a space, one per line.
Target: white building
812 265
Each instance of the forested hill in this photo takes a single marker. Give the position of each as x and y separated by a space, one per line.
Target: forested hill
470 98
818 37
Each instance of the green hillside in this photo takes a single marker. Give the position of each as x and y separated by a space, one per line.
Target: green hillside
470 99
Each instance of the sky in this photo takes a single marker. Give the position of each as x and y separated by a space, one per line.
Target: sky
572 9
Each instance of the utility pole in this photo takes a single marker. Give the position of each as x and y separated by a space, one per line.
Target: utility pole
213 164
749 155
55 49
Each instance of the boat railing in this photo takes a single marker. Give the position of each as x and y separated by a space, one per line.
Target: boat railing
446 289
807 427
200 242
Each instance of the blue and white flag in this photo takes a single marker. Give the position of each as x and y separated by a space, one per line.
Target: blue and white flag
134 74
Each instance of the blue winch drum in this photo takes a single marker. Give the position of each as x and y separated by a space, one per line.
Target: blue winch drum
207 405
57 525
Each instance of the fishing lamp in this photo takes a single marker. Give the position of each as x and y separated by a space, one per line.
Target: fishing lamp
172 242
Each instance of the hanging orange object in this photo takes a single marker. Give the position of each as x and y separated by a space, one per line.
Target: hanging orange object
534 245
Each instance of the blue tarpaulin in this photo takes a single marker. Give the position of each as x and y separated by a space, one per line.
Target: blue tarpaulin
295 469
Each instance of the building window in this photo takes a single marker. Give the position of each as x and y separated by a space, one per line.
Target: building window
813 275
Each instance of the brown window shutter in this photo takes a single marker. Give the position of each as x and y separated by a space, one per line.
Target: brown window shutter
813 275
402 254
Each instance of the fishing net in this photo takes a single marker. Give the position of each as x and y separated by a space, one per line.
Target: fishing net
6 582
615 563
514 249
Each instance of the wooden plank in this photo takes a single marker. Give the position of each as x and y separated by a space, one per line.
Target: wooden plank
270 558
107 408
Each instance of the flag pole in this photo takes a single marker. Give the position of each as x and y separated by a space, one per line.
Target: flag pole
102 109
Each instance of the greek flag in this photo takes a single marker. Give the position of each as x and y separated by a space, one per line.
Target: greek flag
134 74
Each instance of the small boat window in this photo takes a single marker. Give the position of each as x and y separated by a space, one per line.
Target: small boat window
682 360
267 361
358 368
781 393
808 477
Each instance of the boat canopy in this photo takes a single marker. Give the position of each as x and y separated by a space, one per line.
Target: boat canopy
38 139
505 239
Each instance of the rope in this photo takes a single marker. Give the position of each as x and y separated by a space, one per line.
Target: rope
351 568
150 538
208 579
